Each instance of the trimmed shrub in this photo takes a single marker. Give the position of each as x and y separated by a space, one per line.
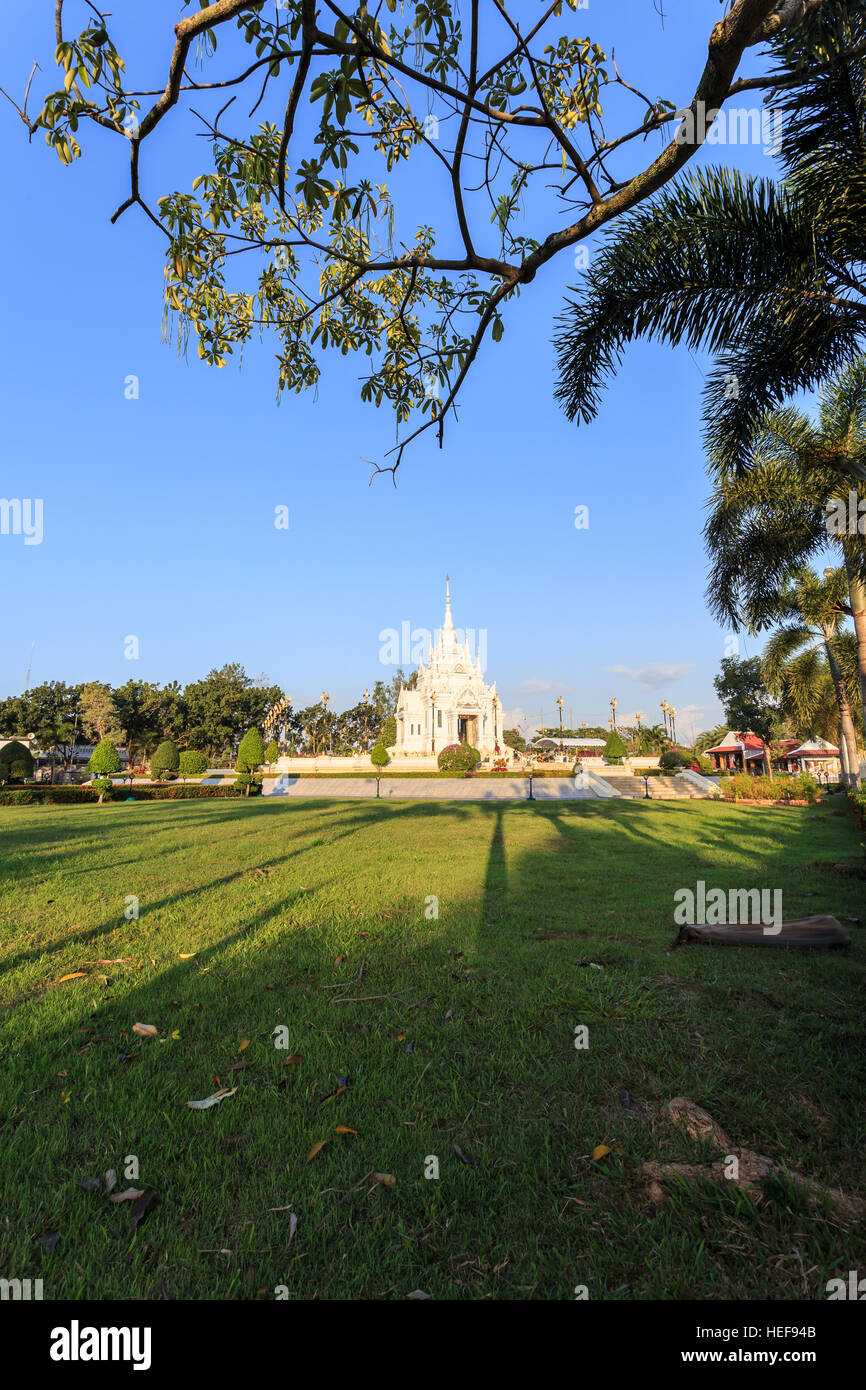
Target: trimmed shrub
614 749
249 782
675 759
16 762
104 786
46 795
458 757
741 787
379 756
105 759
192 763
251 753
166 759
388 735
272 752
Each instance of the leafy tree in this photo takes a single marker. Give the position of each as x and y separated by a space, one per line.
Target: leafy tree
98 713
272 752
192 763
513 738
747 703
767 277
306 199
223 706
48 711
388 734
166 760
137 705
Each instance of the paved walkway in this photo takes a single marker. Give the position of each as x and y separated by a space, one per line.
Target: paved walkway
432 788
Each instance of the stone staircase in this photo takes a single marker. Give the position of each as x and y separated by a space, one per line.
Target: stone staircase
660 788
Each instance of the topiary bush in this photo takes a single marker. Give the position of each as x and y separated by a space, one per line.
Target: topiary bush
675 758
165 761
16 762
379 756
104 786
104 761
388 735
272 752
614 749
192 763
458 757
249 782
251 756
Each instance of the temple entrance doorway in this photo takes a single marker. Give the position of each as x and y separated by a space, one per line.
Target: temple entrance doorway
467 729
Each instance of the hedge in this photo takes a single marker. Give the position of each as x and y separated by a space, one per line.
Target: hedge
744 787
76 796
857 802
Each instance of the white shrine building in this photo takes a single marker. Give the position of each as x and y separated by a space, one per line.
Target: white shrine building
451 703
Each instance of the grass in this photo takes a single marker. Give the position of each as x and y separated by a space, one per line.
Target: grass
550 916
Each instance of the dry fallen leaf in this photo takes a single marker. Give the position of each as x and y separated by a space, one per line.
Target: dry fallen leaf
76 975
344 1129
320 1144
145 1030
293 1226
600 1151
294 1060
187 956
245 1042
131 1194
211 1100
89 1184
385 1179
110 1180
140 1208
418 1293
241 1065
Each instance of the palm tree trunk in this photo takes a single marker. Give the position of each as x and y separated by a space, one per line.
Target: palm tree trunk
857 594
846 723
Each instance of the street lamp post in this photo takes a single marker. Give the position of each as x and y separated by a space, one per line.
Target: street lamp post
559 707
613 715
325 698
433 716
495 724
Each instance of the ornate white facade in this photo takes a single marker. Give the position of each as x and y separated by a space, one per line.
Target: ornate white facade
451 702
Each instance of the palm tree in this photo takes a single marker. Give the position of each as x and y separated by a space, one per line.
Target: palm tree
709 738
801 665
768 521
767 277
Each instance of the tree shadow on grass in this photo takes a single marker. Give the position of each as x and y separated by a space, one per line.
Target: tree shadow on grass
456 1031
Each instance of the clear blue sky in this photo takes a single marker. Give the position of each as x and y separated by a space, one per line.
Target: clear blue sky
158 513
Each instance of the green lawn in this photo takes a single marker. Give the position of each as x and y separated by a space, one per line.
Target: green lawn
550 916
